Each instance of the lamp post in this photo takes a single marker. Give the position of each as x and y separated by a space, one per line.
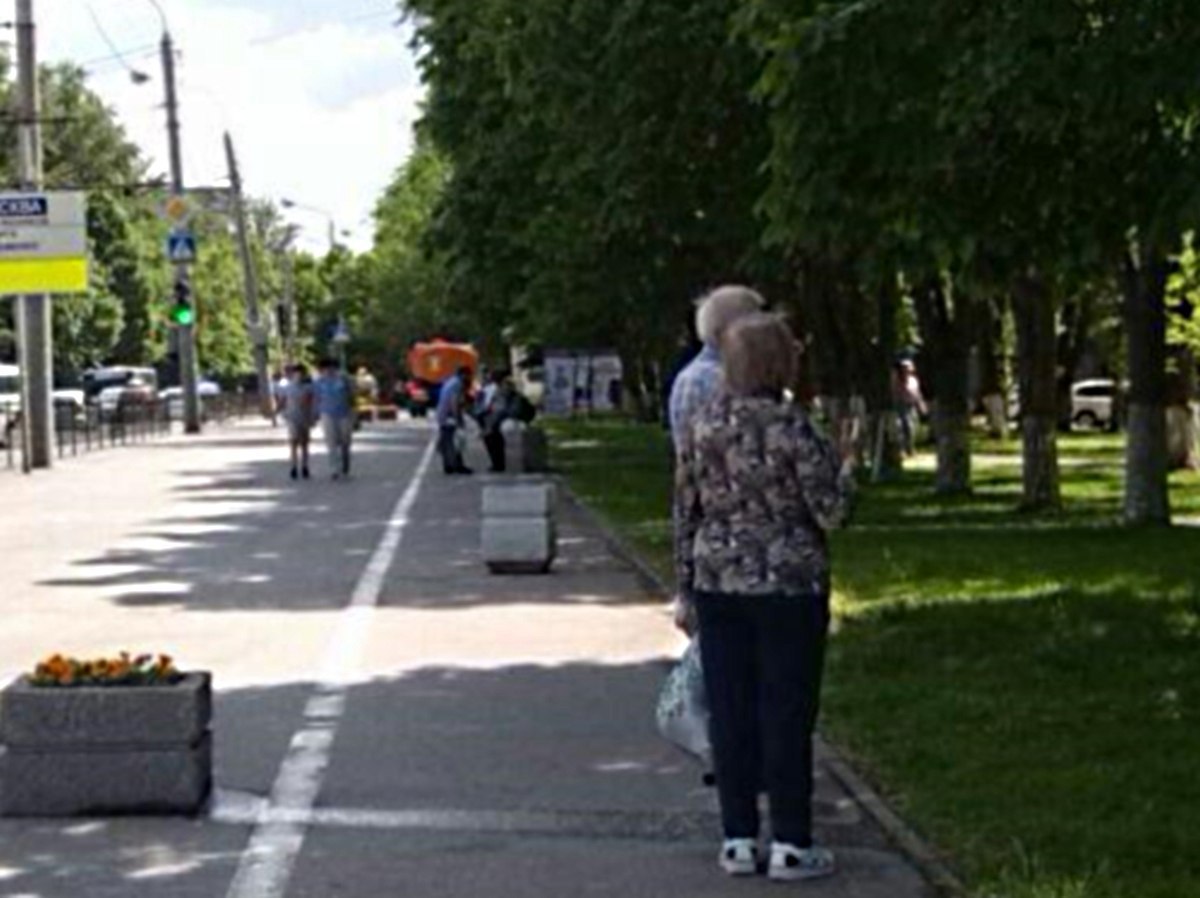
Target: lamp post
287 312
185 317
324 213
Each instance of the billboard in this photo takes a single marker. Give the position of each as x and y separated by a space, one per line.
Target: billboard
43 243
582 381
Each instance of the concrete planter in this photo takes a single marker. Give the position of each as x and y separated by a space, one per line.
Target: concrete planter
519 535
92 750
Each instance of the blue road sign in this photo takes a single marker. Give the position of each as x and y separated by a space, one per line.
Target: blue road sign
181 247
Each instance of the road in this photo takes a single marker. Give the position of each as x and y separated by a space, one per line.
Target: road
390 719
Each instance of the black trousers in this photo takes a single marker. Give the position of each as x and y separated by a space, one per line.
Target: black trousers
496 449
762 659
452 462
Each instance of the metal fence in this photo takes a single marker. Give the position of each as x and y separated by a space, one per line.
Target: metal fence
86 428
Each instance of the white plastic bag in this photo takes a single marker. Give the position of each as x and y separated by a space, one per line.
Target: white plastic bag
683 707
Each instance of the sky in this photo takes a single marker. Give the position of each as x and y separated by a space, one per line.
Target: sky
319 95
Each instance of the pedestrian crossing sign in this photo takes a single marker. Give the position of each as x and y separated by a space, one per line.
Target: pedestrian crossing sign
181 247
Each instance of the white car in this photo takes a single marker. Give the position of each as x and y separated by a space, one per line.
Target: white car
1092 403
173 396
111 398
10 392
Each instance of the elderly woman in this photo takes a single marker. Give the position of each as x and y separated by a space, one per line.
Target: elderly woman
756 489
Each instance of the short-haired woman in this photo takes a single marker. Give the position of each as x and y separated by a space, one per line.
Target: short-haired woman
756 488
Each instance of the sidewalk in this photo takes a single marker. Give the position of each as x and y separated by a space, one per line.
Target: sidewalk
475 736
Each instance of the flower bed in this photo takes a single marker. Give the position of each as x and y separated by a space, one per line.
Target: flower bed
123 670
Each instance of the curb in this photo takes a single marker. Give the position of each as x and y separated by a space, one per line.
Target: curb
906 839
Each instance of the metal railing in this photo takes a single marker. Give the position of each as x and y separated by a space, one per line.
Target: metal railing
93 426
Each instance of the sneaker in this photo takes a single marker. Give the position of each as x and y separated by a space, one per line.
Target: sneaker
789 863
739 857
304 473
295 474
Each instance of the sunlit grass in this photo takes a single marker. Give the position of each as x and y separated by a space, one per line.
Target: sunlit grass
1024 687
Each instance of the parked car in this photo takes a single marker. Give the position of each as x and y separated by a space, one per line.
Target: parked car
113 399
97 380
10 391
1092 403
173 397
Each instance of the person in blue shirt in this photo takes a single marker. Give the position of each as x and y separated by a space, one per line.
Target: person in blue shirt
333 397
451 410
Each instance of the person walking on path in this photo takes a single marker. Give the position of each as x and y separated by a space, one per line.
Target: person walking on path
333 394
698 382
296 406
451 415
910 403
756 489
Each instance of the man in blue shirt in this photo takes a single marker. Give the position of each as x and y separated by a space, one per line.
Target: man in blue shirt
451 407
333 397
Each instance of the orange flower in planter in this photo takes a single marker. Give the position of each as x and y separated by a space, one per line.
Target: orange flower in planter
124 670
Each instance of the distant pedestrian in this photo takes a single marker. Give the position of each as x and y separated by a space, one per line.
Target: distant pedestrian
698 382
756 489
333 395
453 401
497 406
910 403
296 406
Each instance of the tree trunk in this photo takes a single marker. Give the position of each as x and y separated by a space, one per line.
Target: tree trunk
991 368
883 428
1147 500
947 348
1033 311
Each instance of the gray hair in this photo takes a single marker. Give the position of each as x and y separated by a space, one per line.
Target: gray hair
759 355
721 308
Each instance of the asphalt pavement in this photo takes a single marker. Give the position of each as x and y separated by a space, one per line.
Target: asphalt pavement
390 718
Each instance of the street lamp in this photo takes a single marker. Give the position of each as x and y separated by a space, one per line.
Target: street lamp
324 213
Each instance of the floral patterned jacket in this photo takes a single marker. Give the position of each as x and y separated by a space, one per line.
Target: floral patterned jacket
756 487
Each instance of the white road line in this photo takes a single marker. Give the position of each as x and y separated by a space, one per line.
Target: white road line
281 822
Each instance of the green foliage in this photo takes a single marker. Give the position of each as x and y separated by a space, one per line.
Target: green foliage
604 163
222 342
1183 293
86 148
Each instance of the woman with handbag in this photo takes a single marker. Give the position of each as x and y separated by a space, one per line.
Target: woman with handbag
756 488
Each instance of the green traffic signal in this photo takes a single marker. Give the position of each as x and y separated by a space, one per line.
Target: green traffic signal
182 312
183 315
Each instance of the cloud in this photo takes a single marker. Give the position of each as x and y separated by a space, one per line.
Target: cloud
320 95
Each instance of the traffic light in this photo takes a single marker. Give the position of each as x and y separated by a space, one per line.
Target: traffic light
182 313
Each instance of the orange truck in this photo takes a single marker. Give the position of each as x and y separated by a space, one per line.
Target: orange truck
430 364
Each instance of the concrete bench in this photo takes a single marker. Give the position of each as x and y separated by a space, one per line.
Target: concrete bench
518 534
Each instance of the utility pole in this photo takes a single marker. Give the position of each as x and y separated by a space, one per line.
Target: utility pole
186 332
258 333
289 304
33 312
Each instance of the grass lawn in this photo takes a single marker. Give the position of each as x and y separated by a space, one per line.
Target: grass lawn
1025 688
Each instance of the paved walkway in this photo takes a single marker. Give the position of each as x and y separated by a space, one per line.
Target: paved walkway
390 720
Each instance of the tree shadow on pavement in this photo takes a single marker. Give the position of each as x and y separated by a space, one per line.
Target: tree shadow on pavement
247 538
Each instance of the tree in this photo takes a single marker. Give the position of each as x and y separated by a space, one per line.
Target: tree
86 148
604 166
983 146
